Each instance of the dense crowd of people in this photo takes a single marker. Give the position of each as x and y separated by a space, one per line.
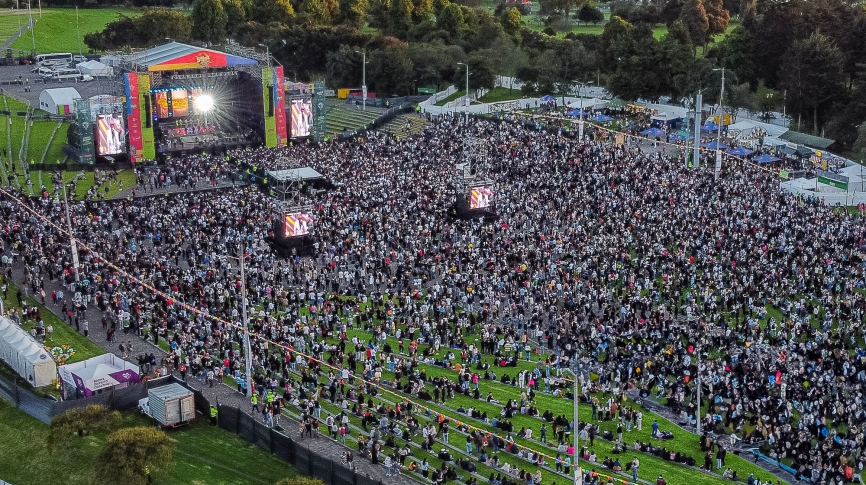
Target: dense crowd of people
614 259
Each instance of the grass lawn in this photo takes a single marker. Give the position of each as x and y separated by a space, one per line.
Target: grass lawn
457 94
204 454
501 94
10 21
40 134
56 31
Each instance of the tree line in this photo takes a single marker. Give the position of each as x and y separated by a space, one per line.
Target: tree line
804 55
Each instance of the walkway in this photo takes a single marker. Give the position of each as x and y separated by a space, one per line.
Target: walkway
12 39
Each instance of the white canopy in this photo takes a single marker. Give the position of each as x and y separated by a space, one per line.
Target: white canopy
100 372
746 127
24 354
95 69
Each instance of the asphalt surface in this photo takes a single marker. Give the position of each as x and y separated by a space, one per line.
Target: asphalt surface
87 89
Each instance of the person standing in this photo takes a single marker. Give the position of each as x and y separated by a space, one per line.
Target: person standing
720 457
635 464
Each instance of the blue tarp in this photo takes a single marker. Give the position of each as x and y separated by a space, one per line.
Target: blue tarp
766 158
547 98
710 127
740 152
713 145
601 118
576 112
653 132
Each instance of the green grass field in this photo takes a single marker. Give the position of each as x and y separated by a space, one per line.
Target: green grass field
56 30
11 21
501 94
204 454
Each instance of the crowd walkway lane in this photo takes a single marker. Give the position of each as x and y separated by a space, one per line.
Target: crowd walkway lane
176 189
221 393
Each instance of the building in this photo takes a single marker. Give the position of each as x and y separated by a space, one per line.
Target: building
58 101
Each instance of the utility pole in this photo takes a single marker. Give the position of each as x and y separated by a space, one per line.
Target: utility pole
248 354
577 475
363 53
466 101
580 88
719 139
696 143
72 243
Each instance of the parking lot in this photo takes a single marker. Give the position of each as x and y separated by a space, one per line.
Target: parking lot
13 83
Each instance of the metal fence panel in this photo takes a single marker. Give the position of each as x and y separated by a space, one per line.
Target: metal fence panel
282 446
322 469
227 417
341 475
262 436
362 480
303 460
245 427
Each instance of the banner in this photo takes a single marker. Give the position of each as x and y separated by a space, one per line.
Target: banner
148 146
133 117
280 108
268 102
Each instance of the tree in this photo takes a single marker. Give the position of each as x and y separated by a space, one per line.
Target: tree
267 11
511 21
390 70
344 67
131 455
694 17
434 62
859 147
736 51
400 17
149 28
354 12
421 10
451 19
209 20
80 422
590 14
315 12
236 14
481 73
717 17
812 72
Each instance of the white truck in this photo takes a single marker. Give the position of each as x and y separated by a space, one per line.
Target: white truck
170 405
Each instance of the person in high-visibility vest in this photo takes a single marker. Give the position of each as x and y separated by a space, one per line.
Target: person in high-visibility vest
213 415
254 400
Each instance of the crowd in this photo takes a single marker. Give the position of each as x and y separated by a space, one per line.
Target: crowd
614 259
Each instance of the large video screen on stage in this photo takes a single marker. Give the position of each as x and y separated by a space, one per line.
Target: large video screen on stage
480 197
179 103
297 224
110 135
302 117
160 101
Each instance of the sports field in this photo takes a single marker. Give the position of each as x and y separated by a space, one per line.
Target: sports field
56 29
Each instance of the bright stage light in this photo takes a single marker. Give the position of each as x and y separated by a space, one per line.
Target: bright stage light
204 103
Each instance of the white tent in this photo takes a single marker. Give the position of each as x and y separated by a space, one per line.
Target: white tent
746 127
24 354
100 372
95 69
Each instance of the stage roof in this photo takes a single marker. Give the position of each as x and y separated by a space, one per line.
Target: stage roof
305 173
176 56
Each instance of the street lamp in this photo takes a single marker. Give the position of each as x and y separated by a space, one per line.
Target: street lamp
267 53
719 138
467 82
696 148
72 243
577 476
580 87
363 53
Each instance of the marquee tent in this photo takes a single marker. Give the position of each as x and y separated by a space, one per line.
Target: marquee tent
95 69
24 354
97 373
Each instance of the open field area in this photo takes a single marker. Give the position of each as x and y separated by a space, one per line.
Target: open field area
56 29
204 455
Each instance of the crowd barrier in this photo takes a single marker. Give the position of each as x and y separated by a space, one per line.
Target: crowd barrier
277 442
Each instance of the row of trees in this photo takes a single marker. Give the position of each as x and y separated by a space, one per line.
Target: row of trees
804 54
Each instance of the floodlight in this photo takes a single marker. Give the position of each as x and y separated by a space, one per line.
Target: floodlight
204 103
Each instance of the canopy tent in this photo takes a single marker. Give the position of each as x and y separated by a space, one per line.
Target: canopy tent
709 126
678 136
747 127
714 145
289 174
653 132
766 158
740 152
25 355
576 112
773 142
601 118
617 103
548 98
95 69
666 120
97 373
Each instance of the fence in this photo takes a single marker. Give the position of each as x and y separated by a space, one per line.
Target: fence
43 408
307 462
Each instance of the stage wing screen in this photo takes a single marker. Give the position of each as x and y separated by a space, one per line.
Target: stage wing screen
196 93
302 118
297 224
480 197
110 135
179 103
160 100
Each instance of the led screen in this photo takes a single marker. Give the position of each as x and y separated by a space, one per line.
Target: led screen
110 135
480 197
302 117
160 100
298 224
179 103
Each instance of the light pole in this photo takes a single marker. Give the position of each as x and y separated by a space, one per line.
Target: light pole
466 102
577 476
580 87
698 384
267 53
696 147
721 115
248 353
72 243
363 53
